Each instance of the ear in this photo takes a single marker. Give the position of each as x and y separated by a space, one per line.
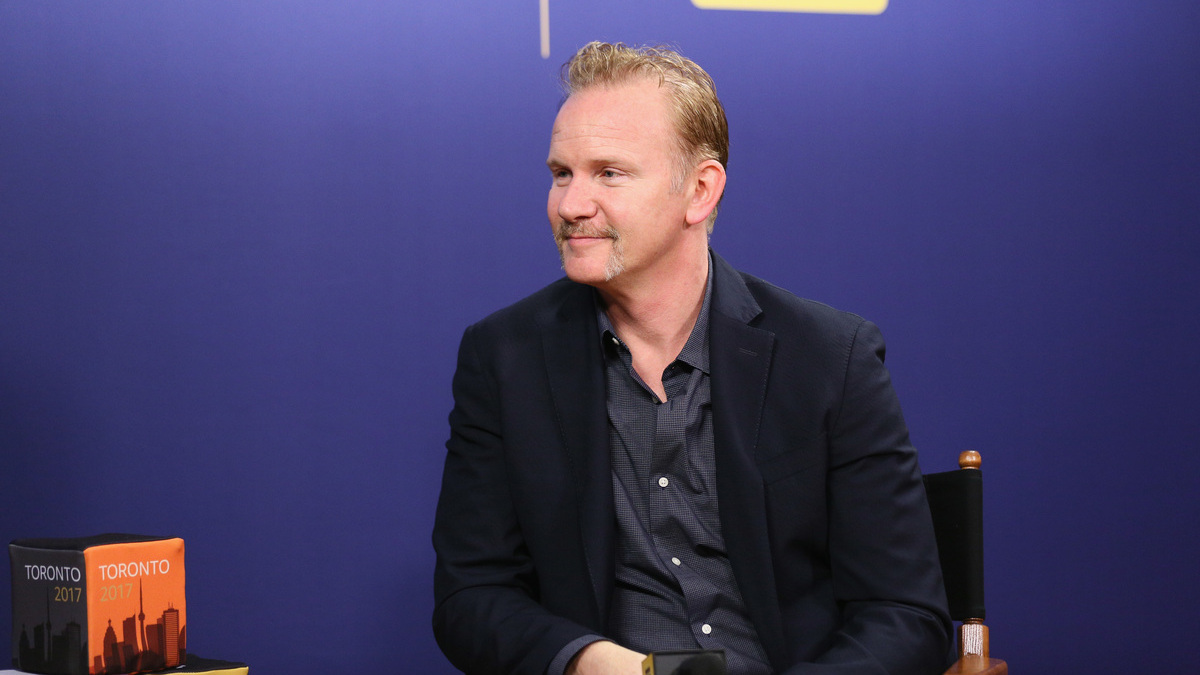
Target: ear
708 184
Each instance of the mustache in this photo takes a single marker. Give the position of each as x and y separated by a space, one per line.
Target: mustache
564 230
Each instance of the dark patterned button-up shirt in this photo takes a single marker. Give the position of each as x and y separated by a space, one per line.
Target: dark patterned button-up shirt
675 587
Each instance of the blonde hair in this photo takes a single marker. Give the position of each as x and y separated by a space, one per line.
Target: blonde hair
702 132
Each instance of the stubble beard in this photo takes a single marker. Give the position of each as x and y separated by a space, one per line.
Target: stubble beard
616 255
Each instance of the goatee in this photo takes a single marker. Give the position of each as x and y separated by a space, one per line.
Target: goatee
616 259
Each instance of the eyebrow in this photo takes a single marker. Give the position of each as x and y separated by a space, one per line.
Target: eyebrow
602 161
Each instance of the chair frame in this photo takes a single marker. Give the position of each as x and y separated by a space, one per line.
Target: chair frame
974 648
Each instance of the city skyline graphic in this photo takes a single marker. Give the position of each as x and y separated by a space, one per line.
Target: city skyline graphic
140 647
136 620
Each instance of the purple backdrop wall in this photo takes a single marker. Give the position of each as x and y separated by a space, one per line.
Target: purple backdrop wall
239 242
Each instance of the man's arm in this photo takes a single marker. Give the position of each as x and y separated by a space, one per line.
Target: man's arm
885 570
486 617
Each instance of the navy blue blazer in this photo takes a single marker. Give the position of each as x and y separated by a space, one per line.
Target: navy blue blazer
820 496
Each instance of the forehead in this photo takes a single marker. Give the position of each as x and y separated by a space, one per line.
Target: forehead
633 117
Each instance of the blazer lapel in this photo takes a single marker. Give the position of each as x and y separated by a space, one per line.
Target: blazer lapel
740 358
576 375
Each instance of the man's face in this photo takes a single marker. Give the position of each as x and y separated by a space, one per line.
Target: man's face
612 154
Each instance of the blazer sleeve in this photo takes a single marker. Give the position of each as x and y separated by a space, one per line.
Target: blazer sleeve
487 618
883 555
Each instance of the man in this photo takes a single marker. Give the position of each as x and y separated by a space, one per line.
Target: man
659 452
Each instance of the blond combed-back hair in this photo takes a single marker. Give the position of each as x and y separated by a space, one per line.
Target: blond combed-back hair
702 132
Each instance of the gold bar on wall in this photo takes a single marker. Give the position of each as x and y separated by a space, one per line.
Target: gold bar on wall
815 6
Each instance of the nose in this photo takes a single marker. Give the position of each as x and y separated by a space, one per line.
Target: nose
574 201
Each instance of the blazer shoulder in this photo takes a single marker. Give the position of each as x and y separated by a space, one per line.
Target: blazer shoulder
538 306
522 324
786 313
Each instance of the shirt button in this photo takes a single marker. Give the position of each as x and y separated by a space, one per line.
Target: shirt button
663 482
676 562
706 629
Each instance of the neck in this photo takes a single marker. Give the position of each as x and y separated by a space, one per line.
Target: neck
656 316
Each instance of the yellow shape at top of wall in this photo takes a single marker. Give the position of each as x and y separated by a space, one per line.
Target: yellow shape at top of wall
820 6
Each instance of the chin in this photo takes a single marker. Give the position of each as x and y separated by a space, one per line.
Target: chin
586 272
589 276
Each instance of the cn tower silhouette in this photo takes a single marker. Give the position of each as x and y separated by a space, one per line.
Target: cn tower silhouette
142 617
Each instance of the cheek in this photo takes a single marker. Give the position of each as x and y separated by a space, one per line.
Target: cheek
552 200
